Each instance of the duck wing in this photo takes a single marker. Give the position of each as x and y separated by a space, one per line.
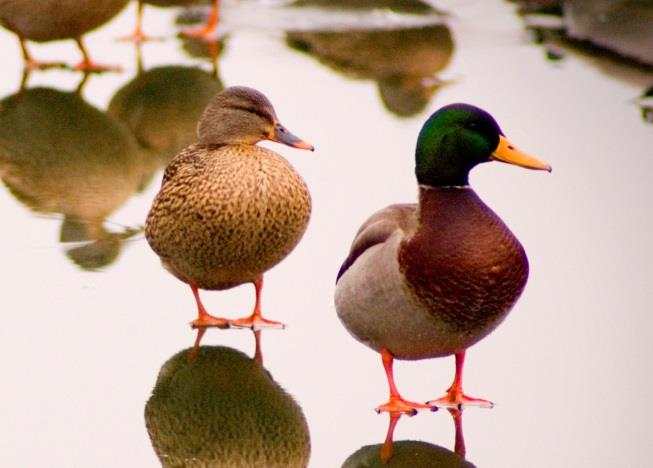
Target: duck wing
378 228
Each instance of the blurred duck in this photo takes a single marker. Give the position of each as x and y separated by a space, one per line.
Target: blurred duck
224 410
60 155
207 31
431 279
49 20
161 107
404 62
229 210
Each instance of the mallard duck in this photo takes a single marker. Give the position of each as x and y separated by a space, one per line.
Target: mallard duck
49 20
431 279
229 210
224 410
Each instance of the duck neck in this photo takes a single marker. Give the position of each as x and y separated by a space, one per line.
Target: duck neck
435 202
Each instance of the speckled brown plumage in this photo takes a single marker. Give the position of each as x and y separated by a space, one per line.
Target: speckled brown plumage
226 214
229 210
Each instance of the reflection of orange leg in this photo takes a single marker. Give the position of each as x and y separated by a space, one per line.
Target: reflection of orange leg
256 321
30 63
87 65
258 353
455 398
396 403
137 35
204 319
196 347
457 415
387 448
208 31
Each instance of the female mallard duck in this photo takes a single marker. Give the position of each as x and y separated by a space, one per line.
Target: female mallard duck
430 280
229 210
49 20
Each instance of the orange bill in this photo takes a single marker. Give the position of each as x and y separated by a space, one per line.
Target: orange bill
507 152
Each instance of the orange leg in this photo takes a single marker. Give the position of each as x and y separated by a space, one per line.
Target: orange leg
396 403
137 35
204 319
87 65
457 415
256 321
387 448
455 398
208 30
31 64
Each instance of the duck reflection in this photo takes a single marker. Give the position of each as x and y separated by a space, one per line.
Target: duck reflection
224 409
161 108
403 6
411 453
59 154
404 62
49 20
622 27
614 38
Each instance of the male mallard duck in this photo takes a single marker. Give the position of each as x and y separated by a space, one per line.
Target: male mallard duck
229 210
49 20
431 279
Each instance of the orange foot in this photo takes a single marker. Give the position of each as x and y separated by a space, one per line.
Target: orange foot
206 321
455 398
138 37
31 64
397 405
256 322
92 67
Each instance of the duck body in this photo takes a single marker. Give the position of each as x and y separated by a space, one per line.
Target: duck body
48 20
450 269
226 214
229 210
433 278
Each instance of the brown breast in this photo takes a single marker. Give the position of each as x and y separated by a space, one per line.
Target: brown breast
463 263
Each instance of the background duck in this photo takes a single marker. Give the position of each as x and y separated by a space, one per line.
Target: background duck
59 155
431 279
229 210
49 20
207 31
161 107
224 410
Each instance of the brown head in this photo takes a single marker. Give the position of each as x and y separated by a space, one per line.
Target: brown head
241 115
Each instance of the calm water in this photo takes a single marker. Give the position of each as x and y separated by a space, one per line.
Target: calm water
89 316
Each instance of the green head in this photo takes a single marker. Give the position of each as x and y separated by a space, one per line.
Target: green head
458 137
